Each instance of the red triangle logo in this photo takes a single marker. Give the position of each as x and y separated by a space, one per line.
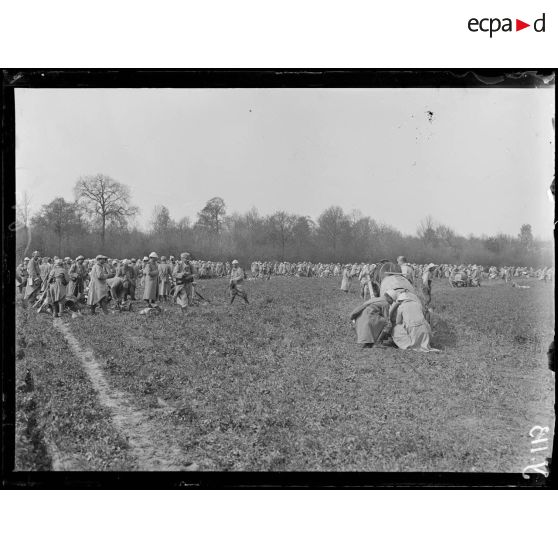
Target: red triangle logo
519 25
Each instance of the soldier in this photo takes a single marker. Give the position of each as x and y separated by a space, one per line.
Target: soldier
365 281
346 279
411 330
267 271
77 274
165 279
34 281
150 279
235 282
118 286
183 274
476 276
21 275
132 274
406 269
141 274
45 268
371 322
427 283
127 272
98 293
57 281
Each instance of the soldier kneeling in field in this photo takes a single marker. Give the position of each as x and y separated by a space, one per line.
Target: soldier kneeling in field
411 329
371 321
119 288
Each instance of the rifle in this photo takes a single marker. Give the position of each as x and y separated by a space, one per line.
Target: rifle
44 292
195 291
40 299
200 296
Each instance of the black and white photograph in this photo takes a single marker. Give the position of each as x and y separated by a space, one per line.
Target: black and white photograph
299 278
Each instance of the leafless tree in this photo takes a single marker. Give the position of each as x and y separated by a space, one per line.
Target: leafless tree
426 230
22 225
333 223
23 210
106 199
281 226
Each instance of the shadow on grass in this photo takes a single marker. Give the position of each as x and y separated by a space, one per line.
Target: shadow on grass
444 334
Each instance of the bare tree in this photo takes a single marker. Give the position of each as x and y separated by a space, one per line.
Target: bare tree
183 224
281 226
106 199
332 224
303 231
23 210
426 231
21 226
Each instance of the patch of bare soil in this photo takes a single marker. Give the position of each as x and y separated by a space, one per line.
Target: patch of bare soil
153 453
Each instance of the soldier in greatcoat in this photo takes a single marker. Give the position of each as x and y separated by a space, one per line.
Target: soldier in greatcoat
98 290
45 268
34 281
77 274
150 279
235 282
127 271
165 279
57 280
183 274
21 275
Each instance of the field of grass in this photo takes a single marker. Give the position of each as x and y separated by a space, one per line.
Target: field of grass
280 384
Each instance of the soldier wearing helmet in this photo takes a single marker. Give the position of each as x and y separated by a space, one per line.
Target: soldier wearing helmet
77 273
183 274
98 294
151 279
235 282
34 281
21 275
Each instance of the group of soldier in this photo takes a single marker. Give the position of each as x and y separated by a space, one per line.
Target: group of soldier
57 282
265 270
402 315
467 275
54 284
399 312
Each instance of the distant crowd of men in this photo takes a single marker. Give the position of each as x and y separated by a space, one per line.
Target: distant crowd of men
265 270
52 283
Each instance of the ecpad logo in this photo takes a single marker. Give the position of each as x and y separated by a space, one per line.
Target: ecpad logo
493 25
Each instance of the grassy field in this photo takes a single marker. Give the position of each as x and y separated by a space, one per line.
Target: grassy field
280 384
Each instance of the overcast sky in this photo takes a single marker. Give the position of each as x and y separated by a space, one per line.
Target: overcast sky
481 163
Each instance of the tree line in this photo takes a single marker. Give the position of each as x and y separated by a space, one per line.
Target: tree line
99 220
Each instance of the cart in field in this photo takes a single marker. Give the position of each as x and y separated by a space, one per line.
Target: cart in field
460 279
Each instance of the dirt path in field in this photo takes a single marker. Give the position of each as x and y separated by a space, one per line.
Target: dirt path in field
152 452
